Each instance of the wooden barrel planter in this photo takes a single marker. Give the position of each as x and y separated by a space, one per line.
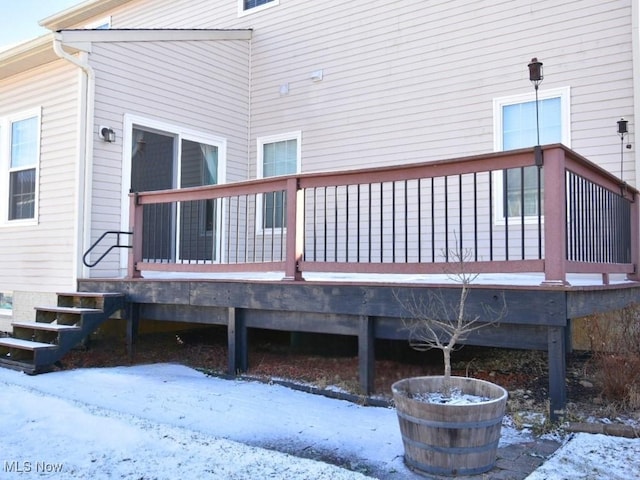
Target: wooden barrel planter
441 439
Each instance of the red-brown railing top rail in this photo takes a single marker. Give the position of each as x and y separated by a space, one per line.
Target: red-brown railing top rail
558 159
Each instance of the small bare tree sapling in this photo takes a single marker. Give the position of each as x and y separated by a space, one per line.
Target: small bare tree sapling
433 322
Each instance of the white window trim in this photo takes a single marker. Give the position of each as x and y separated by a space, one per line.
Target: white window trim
181 133
5 164
260 142
242 12
564 93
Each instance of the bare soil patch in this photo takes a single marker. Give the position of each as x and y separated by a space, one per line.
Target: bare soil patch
330 362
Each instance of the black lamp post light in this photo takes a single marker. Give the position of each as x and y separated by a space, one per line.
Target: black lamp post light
536 76
622 131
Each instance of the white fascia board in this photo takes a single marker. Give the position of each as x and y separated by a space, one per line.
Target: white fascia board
80 14
82 37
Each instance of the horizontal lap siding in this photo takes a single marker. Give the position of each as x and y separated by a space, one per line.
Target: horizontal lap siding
41 257
408 80
200 86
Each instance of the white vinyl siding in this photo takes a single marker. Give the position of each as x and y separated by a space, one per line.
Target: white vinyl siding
195 86
40 257
408 80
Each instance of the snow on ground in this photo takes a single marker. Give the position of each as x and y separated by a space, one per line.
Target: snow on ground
169 421
592 457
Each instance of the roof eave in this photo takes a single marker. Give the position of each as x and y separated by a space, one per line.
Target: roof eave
26 56
80 14
78 37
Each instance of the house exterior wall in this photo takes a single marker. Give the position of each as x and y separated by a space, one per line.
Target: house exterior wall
36 260
200 86
402 81
407 80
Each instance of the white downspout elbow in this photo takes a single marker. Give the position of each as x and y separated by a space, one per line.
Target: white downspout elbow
84 167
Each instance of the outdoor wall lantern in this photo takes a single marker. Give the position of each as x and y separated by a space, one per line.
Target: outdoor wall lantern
107 134
536 76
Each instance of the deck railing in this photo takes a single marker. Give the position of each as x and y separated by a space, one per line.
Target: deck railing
504 212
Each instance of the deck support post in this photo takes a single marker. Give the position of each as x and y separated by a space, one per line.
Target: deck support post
238 358
132 312
557 358
555 221
366 354
136 219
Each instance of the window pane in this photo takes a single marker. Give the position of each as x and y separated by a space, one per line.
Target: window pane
519 123
199 165
22 194
274 210
24 143
550 121
279 158
6 303
520 131
514 178
254 3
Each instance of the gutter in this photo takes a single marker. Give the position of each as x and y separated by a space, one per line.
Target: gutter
84 166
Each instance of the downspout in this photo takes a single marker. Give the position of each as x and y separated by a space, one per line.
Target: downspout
635 65
249 119
84 167
635 44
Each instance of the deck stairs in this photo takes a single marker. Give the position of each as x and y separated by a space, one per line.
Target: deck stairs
35 347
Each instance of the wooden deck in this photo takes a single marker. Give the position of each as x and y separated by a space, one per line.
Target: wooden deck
537 318
382 234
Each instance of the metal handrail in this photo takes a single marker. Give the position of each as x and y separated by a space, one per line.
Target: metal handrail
97 242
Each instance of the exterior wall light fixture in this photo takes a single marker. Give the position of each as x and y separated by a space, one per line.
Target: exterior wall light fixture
107 134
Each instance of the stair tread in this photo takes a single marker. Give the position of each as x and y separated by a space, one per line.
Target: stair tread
53 308
24 344
91 294
45 326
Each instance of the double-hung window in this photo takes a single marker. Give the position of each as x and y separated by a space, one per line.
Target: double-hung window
23 154
516 127
277 155
249 6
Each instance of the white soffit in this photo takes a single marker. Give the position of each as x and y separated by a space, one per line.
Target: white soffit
26 56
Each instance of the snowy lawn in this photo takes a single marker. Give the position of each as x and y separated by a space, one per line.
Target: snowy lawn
169 421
